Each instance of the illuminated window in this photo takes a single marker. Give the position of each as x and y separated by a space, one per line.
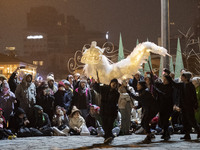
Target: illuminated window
41 63
35 62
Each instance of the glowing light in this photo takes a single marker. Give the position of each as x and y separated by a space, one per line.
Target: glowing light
10 48
107 35
35 37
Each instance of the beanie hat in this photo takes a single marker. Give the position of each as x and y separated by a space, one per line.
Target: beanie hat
49 78
83 81
60 84
187 75
1 109
114 80
143 84
66 82
38 107
19 111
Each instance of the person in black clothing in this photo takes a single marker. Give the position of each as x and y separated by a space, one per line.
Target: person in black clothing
149 106
165 102
188 104
13 80
109 108
45 98
82 98
18 124
42 122
133 82
61 98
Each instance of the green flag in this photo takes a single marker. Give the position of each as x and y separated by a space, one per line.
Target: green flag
179 60
137 42
146 65
121 50
161 67
171 66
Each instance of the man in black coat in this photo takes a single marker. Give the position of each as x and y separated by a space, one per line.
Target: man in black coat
109 108
188 104
149 106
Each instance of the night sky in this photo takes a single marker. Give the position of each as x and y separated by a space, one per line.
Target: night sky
133 18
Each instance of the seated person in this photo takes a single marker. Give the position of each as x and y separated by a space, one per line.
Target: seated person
77 122
42 122
60 122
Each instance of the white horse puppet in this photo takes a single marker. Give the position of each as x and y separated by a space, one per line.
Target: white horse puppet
95 61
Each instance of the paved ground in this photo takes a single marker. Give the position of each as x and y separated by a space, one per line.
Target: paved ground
96 143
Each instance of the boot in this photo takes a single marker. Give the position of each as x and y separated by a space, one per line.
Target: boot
186 137
147 140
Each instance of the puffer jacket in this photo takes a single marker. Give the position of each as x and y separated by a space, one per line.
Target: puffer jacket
125 97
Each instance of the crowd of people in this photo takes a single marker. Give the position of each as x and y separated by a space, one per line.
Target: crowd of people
79 105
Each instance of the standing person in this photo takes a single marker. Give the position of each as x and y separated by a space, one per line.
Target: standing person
149 107
188 104
13 80
125 105
68 97
165 101
133 82
26 95
76 80
196 82
7 100
45 98
109 109
82 98
70 78
60 96
51 82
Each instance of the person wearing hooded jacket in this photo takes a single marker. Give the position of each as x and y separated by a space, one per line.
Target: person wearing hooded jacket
109 109
42 122
7 100
26 95
149 106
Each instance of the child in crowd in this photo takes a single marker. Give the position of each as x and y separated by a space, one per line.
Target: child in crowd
77 123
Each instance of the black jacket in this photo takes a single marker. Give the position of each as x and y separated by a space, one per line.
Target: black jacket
146 100
12 82
165 95
188 97
109 100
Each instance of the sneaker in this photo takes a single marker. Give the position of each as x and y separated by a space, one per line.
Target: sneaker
147 140
186 137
